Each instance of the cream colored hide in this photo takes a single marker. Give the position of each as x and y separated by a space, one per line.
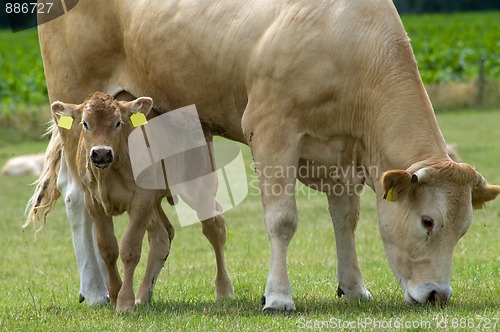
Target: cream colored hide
327 83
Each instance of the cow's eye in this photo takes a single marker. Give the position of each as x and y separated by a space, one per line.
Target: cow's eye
118 124
85 125
428 224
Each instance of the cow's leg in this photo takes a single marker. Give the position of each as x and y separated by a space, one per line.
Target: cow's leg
93 275
215 231
275 148
344 210
130 252
159 248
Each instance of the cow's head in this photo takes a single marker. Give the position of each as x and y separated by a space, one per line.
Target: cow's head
421 218
103 121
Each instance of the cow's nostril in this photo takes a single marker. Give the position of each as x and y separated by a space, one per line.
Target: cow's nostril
438 297
433 297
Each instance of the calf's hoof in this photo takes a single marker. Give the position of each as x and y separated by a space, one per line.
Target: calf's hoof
125 307
223 289
144 298
125 302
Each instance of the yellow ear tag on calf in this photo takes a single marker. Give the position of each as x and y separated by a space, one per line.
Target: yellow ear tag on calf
65 122
138 119
391 195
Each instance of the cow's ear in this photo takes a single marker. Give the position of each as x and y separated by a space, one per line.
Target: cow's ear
142 105
65 114
394 182
482 194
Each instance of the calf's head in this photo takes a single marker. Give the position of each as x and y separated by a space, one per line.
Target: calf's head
421 218
104 124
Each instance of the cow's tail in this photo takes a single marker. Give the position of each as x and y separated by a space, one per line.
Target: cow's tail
46 192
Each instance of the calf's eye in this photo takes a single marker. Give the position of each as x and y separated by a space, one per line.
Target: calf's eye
118 124
85 125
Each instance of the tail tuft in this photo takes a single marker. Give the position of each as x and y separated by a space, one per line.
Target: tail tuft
46 192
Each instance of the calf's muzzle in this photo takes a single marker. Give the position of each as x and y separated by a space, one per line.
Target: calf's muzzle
101 156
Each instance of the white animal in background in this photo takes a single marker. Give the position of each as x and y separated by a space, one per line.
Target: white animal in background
31 164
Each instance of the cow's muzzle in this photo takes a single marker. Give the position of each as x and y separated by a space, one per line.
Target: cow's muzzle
429 293
101 156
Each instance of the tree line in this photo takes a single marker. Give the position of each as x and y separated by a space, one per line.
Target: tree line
444 6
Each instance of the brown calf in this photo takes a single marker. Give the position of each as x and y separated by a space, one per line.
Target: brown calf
97 152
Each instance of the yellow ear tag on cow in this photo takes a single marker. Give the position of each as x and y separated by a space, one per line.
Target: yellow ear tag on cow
138 119
391 195
65 122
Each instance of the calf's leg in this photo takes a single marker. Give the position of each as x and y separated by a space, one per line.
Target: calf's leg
130 252
215 231
159 249
108 246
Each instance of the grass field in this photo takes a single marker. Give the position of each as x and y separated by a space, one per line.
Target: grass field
39 279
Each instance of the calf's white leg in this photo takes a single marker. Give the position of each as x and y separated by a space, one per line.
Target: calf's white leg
93 275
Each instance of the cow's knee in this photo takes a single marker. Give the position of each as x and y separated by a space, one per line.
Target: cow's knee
281 220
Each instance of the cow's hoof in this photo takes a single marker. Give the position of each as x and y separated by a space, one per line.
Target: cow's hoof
359 295
101 300
274 305
340 292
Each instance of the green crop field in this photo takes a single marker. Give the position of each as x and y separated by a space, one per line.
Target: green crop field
40 284
447 48
21 75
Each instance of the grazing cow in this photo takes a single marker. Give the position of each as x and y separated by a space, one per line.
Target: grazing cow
328 84
31 164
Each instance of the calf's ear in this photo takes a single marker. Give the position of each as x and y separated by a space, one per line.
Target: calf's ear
64 114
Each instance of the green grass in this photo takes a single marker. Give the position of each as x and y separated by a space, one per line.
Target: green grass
39 279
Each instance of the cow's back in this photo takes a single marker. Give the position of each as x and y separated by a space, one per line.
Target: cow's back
216 55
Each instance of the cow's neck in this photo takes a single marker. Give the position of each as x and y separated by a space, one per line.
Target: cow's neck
404 133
